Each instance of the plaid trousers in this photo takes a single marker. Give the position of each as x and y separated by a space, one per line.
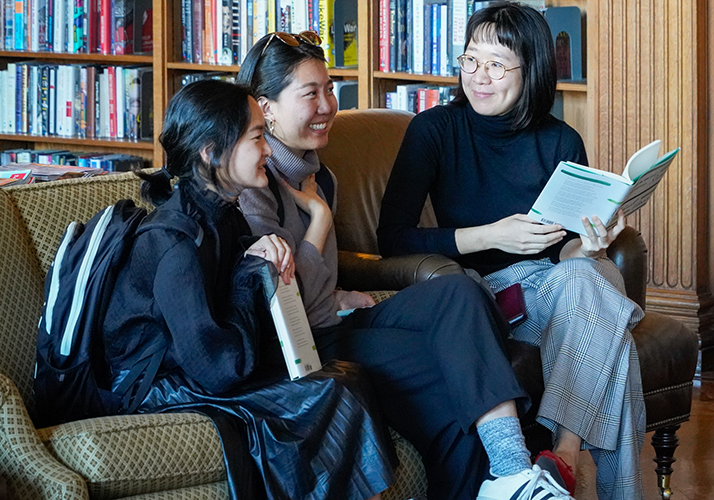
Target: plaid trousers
580 317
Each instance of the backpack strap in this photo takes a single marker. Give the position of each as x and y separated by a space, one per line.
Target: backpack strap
323 179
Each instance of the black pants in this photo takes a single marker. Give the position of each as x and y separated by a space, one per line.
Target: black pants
436 357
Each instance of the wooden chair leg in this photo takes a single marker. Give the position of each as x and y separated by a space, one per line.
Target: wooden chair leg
665 441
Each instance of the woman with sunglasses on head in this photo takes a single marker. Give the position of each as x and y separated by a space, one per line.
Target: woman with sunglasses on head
434 352
483 160
309 438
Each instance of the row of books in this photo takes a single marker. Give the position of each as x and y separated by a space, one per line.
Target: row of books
77 26
426 36
55 160
419 97
71 100
223 31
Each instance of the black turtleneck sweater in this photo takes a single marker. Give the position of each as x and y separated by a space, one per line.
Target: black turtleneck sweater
477 171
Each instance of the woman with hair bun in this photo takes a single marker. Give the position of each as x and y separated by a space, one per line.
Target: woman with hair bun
317 437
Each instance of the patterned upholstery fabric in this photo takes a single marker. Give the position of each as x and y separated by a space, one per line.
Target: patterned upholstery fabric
410 475
129 455
21 297
213 491
48 207
27 466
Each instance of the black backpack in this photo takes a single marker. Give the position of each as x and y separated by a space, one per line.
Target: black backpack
323 179
72 378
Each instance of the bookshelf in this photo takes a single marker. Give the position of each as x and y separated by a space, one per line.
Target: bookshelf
169 69
374 84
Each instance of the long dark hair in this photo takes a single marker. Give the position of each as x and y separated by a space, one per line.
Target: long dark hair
525 31
268 70
210 115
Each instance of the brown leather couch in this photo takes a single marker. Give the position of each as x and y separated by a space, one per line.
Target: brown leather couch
362 160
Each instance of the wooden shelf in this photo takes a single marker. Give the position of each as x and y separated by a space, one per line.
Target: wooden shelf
77 141
66 56
224 68
575 86
418 77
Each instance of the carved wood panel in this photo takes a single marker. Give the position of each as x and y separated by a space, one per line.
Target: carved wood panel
647 80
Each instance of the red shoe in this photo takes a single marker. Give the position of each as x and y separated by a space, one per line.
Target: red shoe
547 460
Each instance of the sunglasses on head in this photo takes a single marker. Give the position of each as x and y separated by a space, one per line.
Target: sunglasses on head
293 39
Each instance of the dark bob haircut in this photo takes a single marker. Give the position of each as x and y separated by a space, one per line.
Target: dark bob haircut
210 115
525 31
267 71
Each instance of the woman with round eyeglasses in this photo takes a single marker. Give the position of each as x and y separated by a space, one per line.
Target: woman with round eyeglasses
483 160
434 352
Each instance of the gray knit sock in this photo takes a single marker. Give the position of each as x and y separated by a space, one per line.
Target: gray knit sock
505 446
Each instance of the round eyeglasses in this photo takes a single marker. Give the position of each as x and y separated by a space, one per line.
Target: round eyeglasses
494 69
293 39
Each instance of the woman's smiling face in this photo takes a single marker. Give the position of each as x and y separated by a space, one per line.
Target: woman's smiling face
487 96
304 111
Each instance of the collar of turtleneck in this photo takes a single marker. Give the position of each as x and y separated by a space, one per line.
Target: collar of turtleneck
294 168
496 128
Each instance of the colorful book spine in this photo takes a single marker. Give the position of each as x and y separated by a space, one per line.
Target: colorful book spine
384 52
327 31
435 37
19 25
418 36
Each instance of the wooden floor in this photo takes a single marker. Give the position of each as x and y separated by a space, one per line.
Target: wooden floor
693 477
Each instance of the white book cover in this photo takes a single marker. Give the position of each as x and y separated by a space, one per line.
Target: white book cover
299 16
458 31
11 92
246 39
34 25
444 59
3 103
418 36
65 100
120 100
574 191
33 103
59 43
260 19
69 25
293 329
104 104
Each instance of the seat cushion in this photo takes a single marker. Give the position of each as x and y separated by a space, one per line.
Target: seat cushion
138 454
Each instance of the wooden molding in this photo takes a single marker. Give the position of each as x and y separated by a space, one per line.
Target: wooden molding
638 93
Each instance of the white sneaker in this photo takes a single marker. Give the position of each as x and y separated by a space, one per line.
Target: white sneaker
534 484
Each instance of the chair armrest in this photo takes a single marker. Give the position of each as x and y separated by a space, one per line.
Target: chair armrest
360 271
31 472
629 253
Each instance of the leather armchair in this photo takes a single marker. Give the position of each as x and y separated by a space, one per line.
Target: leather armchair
362 160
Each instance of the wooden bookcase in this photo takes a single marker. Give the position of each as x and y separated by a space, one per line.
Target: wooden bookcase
169 69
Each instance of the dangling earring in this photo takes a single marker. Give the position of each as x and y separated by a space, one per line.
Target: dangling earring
271 126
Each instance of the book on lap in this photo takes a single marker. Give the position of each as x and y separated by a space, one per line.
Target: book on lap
574 191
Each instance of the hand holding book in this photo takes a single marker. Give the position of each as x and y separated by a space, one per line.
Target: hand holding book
574 191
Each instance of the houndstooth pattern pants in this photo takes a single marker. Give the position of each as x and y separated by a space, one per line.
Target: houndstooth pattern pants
580 317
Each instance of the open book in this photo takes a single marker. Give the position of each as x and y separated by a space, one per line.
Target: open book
294 331
574 190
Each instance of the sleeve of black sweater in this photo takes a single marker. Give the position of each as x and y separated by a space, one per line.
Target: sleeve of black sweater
414 171
217 353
